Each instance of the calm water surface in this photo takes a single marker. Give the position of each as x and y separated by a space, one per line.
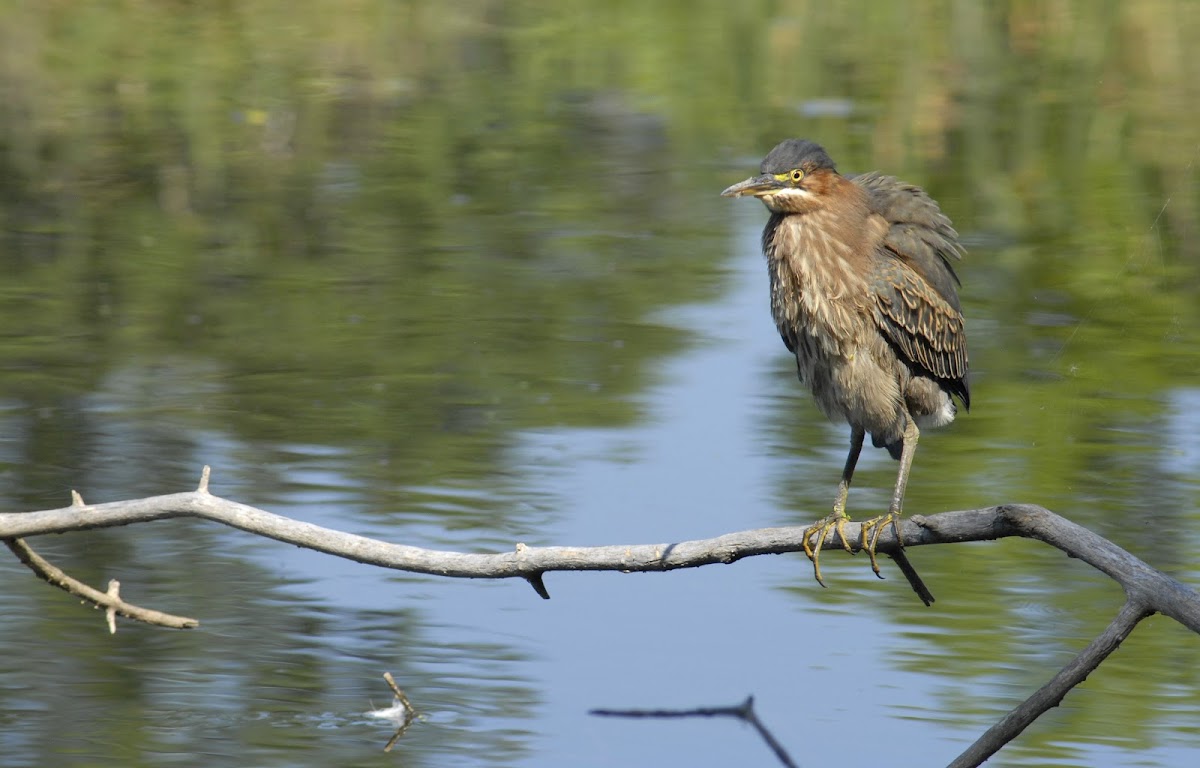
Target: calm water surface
458 276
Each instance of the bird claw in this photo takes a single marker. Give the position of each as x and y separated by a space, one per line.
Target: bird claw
870 536
821 528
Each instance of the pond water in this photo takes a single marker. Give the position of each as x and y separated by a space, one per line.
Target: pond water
458 275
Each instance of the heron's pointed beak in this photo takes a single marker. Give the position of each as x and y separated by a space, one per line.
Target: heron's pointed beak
755 185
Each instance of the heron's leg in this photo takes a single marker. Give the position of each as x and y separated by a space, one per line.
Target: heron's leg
837 520
875 527
856 443
911 435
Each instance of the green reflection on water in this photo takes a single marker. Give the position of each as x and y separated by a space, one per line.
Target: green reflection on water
407 231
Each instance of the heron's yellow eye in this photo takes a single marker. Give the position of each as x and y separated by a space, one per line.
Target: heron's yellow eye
796 175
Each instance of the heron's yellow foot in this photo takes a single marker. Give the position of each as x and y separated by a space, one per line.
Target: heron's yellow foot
835 522
870 536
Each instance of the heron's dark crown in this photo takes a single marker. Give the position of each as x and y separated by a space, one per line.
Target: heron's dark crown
796 153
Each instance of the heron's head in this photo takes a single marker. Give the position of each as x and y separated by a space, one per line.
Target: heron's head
795 177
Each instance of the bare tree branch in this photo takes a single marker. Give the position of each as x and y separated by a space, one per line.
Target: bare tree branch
531 563
1147 590
1051 694
111 601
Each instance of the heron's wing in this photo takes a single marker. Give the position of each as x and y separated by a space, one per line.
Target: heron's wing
924 327
918 230
915 288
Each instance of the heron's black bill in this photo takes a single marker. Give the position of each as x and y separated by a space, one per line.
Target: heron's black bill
752 186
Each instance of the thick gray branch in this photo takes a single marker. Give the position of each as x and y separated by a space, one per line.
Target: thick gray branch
1146 587
1161 593
1166 595
1052 693
1148 590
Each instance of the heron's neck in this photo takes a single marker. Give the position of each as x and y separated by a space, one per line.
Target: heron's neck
816 262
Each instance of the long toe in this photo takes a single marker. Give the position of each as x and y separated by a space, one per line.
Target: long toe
815 536
870 536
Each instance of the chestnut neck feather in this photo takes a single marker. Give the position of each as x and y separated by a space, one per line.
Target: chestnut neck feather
816 247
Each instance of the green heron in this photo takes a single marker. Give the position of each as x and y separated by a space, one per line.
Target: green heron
864 295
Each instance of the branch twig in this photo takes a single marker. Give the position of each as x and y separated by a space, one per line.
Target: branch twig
401 712
110 601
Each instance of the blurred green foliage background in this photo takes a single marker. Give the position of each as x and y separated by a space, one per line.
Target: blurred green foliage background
404 232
